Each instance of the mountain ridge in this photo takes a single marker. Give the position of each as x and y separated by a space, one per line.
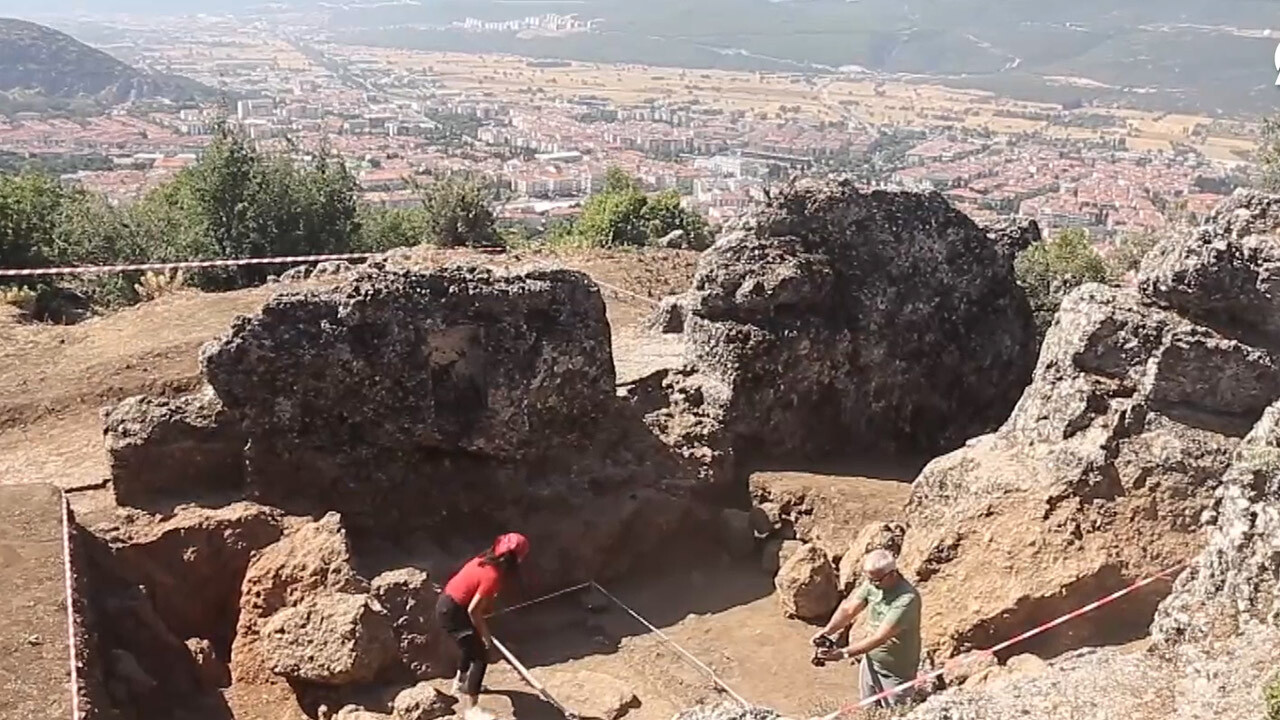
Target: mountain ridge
38 60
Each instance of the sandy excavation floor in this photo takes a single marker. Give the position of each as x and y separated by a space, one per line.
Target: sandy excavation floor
54 380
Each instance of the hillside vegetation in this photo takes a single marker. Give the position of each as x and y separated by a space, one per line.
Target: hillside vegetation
38 60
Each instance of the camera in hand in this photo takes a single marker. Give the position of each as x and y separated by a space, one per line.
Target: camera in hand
820 643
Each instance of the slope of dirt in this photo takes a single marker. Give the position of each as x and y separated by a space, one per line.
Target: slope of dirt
35 672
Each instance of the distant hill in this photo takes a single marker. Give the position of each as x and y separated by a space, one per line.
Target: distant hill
41 61
1201 55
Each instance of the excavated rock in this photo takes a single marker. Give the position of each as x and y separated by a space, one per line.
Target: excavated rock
313 560
844 322
1097 479
876 536
172 447
420 702
1217 637
592 695
334 639
193 562
372 397
408 600
830 511
807 585
211 670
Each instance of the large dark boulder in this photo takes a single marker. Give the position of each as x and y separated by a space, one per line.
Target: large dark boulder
400 398
844 321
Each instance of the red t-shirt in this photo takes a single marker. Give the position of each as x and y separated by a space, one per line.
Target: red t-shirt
474 578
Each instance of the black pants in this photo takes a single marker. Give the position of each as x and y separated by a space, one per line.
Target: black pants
474 661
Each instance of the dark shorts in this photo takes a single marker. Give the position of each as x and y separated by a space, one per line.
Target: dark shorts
453 618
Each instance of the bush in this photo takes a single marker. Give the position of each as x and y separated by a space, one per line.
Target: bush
622 215
1049 269
458 213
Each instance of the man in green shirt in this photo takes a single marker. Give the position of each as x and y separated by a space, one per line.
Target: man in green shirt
891 654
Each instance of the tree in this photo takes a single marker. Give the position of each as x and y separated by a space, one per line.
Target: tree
458 213
622 215
383 228
30 206
1269 156
1048 270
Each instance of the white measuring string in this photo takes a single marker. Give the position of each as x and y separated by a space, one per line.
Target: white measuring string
543 598
698 663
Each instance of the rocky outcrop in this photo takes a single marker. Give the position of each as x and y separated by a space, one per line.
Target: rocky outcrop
1227 275
313 560
192 563
333 639
1217 635
807 585
374 396
165 448
1110 462
845 321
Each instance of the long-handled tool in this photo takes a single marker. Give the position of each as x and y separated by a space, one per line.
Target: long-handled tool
533 682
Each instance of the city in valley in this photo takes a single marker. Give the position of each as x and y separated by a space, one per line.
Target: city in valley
546 131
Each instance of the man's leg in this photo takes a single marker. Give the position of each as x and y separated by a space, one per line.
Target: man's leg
876 681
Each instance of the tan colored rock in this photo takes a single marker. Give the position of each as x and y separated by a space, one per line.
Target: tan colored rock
421 702
335 639
807 585
1026 664
408 600
876 536
594 696
959 670
193 562
776 553
828 511
210 669
313 560
355 712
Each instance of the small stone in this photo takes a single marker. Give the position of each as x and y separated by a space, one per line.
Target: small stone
420 702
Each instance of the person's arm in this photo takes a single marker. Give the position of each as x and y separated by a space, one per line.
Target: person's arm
478 609
889 627
846 613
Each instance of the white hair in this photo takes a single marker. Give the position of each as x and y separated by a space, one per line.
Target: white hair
879 561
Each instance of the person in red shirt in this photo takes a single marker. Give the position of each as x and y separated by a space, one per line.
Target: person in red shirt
462 608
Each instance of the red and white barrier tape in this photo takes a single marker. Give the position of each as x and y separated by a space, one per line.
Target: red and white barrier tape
921 680
184 265
69 588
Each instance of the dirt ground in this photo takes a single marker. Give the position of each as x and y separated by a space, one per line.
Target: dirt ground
724 614
54 380
35 672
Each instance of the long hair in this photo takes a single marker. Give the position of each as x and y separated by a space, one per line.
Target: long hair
507 563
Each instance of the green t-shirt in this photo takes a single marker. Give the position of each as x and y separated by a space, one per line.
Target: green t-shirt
899 604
